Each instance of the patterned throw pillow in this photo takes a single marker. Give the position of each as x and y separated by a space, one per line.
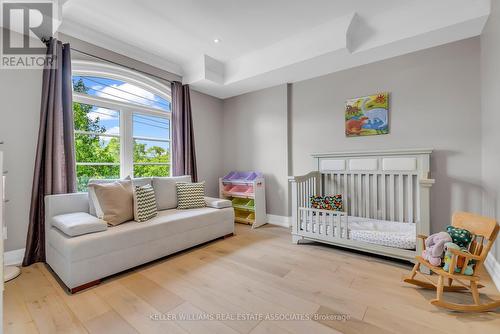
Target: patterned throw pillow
460 236
144 203
333 202
190 195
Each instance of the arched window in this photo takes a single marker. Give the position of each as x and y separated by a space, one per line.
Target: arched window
122 123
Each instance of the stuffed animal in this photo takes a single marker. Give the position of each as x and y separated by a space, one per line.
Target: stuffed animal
434 247
459 236
460 261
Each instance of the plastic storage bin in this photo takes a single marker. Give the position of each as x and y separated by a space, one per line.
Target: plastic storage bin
244 216
227 187
244 203
238 190
241 176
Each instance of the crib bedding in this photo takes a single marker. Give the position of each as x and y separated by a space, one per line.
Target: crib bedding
374 231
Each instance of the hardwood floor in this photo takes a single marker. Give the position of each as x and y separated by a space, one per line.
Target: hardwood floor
256 274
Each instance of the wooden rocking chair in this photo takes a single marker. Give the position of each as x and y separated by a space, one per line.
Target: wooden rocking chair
482 229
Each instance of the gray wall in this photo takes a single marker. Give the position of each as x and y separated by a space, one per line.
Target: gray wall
255 132
20 92
435 102
208 127
490 74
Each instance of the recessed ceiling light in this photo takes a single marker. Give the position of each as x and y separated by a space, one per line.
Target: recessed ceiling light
216 40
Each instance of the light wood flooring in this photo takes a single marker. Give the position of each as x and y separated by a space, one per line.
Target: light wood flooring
256 273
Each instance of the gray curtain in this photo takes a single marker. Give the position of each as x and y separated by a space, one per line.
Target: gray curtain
183 152
55 171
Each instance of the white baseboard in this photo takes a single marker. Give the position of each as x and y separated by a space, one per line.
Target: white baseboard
282 221
13 258
493 268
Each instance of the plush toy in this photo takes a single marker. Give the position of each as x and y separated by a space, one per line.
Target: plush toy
459 236
460 261
434 247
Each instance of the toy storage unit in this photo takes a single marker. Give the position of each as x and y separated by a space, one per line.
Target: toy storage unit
246 190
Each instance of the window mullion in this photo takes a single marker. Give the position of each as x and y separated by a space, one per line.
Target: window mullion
127 144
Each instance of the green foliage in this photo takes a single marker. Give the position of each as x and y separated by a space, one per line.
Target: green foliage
154 154
95 148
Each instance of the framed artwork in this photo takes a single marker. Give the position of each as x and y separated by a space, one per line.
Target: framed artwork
367 116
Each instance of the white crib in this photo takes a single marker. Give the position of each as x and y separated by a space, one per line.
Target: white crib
390 185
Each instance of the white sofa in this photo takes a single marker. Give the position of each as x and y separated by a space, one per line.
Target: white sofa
81 261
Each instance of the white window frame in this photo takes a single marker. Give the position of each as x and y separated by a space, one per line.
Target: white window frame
126 110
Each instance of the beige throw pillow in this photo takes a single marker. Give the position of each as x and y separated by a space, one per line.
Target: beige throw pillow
116 201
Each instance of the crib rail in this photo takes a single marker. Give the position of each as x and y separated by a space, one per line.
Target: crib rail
323 224
303 187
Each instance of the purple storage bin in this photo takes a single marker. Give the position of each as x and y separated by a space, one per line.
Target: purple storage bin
242 176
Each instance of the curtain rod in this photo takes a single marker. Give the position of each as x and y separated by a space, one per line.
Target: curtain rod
118 64
46 42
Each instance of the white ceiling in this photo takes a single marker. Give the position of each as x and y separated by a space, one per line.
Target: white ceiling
267 42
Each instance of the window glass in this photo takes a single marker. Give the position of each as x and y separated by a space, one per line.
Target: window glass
151 146
119 91
88 172
151 170
146 126
95 119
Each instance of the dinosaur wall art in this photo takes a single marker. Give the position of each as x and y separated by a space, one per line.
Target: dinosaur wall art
367 116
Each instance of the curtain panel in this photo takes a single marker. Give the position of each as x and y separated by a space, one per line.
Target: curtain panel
183 150
55 166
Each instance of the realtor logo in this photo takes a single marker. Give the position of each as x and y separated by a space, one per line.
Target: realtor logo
31 20
25 25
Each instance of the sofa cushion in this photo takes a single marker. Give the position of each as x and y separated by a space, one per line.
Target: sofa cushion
78 223
217 203
116 201
165 190
114 239
137 182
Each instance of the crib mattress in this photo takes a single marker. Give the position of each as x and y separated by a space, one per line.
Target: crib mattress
380 232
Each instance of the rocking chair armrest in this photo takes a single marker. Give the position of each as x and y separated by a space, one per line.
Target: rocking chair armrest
464 254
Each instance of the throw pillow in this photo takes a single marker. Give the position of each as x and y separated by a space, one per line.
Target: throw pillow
332 202
116 201
144 203
190 195
94 207
460 236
